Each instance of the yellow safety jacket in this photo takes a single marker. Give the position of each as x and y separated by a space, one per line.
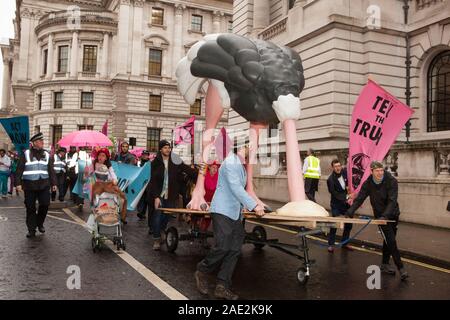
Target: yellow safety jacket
313 168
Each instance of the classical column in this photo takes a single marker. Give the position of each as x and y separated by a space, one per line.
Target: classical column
217 17
74 55
50 56
177 37
123 34
25 17
6 84
105 56
137 38
261 15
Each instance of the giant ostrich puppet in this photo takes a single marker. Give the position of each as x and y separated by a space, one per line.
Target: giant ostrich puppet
262 82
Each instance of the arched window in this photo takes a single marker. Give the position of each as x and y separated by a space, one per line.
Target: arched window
438 93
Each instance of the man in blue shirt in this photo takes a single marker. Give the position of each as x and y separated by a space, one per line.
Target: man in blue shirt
226 212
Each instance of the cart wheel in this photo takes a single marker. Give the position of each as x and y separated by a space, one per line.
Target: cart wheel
172 239
261 235
302 277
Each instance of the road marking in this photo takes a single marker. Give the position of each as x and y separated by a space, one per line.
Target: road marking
62 219
151 277
12 208
421 264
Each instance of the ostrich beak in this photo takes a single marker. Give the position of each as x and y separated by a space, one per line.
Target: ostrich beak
287 107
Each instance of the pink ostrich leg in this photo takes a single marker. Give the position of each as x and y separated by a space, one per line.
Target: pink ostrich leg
294 174
214 111
254 143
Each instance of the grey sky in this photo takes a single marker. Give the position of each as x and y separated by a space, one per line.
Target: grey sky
6 28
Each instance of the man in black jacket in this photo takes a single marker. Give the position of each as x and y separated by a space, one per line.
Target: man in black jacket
164 187
35 175
382 188
125 156
337 186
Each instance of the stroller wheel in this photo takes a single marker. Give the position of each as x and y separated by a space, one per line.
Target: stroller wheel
95 245
122 244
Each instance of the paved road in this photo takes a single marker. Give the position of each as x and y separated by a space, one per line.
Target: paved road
31 269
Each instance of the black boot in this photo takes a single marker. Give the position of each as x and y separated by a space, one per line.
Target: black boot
41 229
31 234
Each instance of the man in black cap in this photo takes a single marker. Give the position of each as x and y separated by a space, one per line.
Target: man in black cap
382 188
60 170
35 175
164 187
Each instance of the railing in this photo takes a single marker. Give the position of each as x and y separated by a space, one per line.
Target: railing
273 30
422 4
83 13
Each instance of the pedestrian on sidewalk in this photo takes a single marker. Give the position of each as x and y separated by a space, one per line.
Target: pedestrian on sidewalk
337 186
382 188
35 175
60 168
164 187
226 212
5 165
311 174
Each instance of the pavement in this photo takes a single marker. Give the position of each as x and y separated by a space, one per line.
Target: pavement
420 242
37 268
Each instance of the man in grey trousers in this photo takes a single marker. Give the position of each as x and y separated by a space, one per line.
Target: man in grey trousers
226 212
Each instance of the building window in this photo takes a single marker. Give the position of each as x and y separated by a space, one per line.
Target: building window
56 134
87 100
197 23
155 62
196 108
230 26
63 58
155 103
438 96
158 16
85 127
153 137
37 129
58 100
45 57
39 101
90 58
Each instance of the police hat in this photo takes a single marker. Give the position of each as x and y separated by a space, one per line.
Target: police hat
37 136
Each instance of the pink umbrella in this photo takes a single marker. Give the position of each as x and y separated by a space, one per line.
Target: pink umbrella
85 138
137 152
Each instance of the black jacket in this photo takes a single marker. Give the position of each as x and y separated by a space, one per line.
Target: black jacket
383 197
338 195
38 184
126 158
175 176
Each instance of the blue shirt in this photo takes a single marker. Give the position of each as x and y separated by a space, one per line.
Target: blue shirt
230 196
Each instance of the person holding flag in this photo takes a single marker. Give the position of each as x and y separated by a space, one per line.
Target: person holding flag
35 176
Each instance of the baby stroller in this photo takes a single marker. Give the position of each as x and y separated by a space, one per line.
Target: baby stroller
105 223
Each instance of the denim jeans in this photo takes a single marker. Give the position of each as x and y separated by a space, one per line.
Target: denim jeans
159 219
347 228
4 183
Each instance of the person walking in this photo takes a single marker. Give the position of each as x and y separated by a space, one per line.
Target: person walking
125 156
337 184
226 212
382 189
35 176
5 171
60 168
311 173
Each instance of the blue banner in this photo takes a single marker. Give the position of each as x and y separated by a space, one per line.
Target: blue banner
18 130
131 179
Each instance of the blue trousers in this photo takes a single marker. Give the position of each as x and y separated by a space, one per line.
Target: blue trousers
160 220
4 183
347 228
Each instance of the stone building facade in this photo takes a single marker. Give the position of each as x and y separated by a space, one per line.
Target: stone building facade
74 64
344 42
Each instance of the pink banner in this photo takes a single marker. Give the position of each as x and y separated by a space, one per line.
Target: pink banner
184 134
105 128
377 119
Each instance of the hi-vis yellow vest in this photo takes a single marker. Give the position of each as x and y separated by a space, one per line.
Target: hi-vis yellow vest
313 168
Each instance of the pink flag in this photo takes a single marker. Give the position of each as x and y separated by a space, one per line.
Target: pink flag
377 119
105 128
223 144
184 134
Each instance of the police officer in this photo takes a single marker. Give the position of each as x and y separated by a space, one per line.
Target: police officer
60 168
35 176
311 173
